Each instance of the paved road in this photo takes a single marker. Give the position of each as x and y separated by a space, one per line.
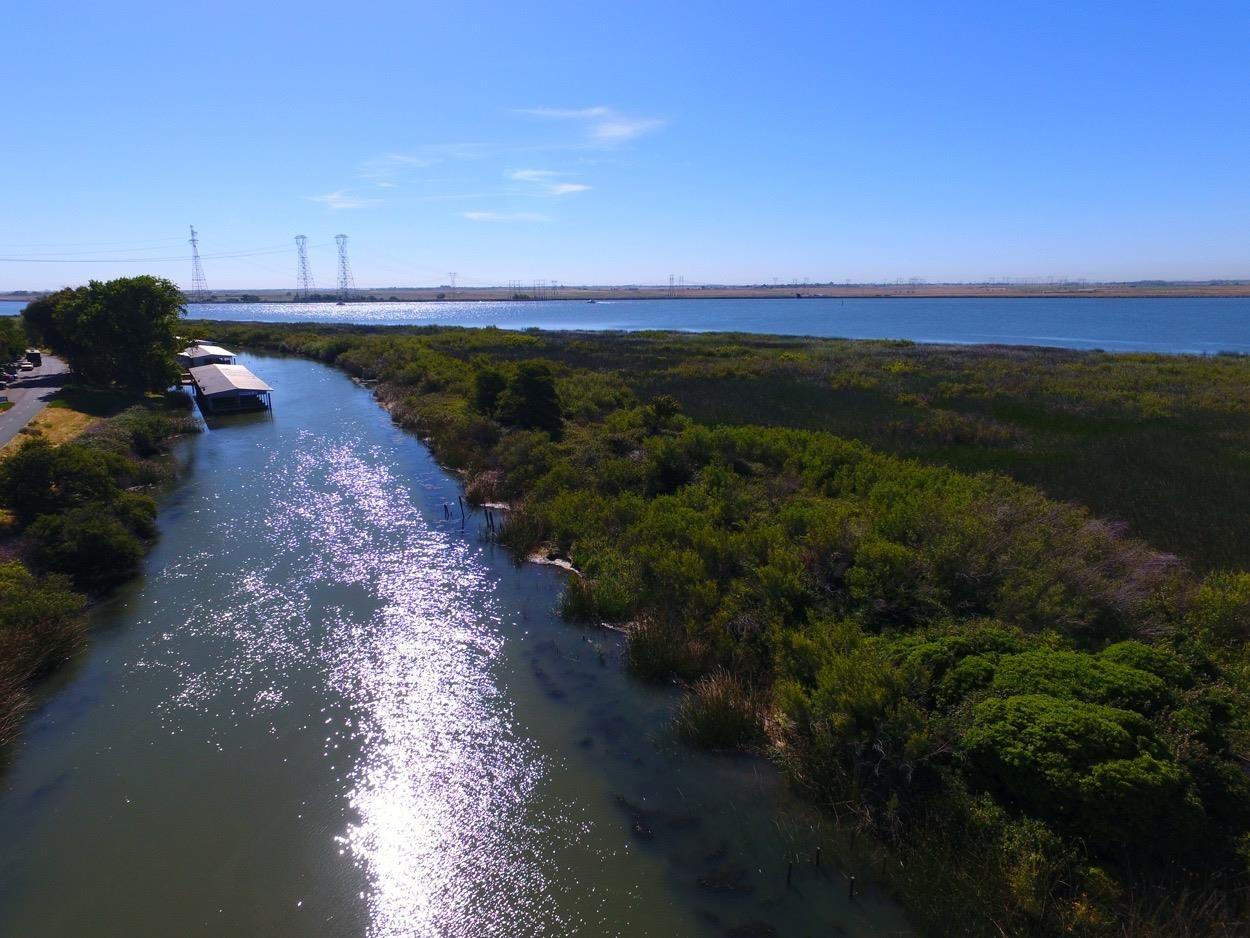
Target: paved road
30 393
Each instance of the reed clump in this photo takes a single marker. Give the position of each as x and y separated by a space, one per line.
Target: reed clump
720 711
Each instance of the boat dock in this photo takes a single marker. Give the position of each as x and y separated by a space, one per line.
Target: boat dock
201 353
229 389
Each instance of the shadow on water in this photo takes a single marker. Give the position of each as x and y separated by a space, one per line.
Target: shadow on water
229 421
738 847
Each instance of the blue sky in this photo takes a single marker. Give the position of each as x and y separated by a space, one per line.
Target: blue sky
609 144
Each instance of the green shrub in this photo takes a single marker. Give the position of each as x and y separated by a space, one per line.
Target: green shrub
91 546
1079 676
137 513
1221 608
1087 767
40 479
40 620
1151 658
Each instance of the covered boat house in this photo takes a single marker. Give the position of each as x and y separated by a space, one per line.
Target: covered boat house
229 389
193 356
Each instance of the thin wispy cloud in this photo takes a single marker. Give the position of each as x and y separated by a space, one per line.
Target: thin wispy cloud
544 182
385 169
532 175
623 129
605 127
564 113
342 199
505 216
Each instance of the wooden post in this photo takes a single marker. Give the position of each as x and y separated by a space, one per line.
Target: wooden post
851 888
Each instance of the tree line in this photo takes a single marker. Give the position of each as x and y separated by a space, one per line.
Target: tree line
121 331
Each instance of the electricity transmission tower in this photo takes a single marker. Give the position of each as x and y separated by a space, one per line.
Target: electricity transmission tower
346 284
199 286
303 276
452 277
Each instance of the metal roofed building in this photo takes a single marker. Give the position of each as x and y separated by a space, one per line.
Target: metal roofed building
193 356
229 389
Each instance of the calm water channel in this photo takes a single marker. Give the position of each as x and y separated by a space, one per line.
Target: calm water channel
325 710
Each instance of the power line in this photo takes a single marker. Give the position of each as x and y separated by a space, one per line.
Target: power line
177 258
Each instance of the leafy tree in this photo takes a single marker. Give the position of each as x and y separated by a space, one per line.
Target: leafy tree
529 401
89 545
12 339
39 317
488 385
40 479
120 331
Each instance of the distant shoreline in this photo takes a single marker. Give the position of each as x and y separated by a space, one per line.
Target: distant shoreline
1143 290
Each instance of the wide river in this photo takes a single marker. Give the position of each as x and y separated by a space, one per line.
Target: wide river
327 709
1197 324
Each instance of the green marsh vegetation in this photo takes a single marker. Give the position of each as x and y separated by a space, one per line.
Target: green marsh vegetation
76 518
989 605
77 521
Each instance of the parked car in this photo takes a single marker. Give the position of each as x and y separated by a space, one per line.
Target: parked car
26 366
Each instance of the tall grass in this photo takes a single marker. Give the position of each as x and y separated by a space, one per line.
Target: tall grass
720 712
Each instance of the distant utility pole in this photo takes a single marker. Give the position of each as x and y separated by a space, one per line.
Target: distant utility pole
346 284
303 276
199 286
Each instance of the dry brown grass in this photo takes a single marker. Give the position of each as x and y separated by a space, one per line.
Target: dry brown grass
57 425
